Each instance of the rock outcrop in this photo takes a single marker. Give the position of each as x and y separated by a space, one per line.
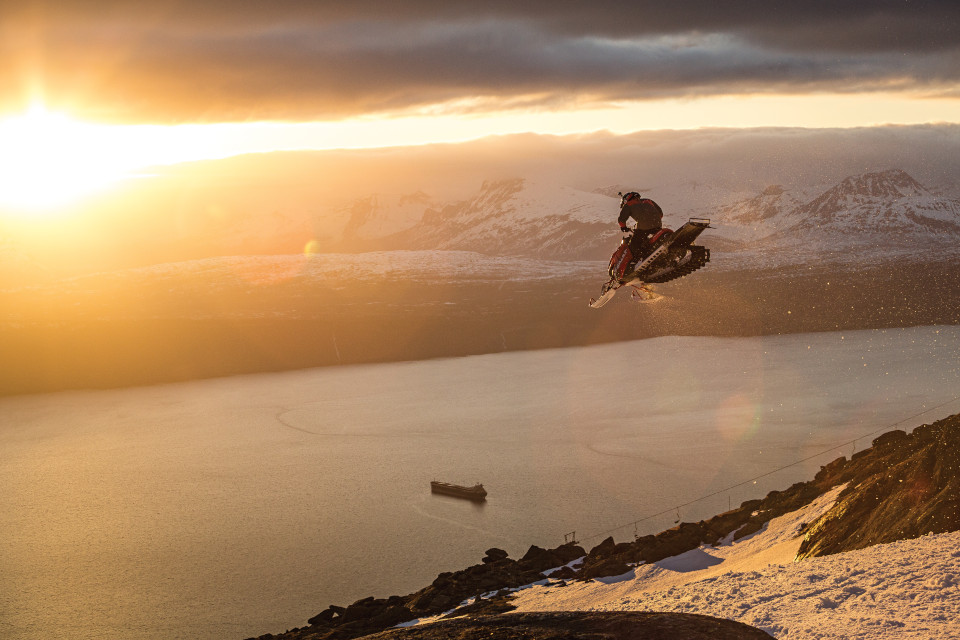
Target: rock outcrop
496 572
905 486
570 625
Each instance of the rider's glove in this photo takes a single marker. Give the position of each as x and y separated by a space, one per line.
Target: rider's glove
625 231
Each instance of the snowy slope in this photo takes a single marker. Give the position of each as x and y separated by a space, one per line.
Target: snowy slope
886 210
864 219
871 205
907 589
380 215
519 217
763 214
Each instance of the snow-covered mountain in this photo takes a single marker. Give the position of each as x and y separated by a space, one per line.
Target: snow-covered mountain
519 217
874 214
872 210
380 215
890 203
765 213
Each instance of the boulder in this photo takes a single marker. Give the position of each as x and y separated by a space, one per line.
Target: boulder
539 559
890 439
569 552
672 542
442 580
495 555
325 617
602 568
564 573
390 616
603 549
831 469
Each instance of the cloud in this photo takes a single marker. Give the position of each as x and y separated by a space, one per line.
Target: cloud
219 60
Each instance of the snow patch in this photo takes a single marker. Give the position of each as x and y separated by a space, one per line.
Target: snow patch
907 589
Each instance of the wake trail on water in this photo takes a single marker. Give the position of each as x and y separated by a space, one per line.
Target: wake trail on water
279 418
460 525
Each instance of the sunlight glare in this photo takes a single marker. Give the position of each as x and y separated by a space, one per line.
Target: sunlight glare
48 159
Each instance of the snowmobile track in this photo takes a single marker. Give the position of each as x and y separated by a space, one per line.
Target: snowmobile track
700 256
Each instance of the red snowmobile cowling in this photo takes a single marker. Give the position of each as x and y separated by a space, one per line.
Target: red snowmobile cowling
620 260
659 234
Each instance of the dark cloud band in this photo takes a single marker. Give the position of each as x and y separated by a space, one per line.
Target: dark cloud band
220 60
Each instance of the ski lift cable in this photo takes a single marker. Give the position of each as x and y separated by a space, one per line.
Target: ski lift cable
767 473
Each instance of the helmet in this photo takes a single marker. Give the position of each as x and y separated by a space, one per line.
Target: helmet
629 198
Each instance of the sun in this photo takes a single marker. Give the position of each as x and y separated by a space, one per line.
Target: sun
48 160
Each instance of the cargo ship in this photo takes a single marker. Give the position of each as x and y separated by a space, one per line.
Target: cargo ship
476 493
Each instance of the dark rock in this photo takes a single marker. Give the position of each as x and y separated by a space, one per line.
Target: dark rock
391 616
672 542
860 455
362 609
443 602
570 625
569 552
890 439
830 470
906 486
564 573
490 606
488 583
327 616
603 549
495 555
602 568
749 529
539 559
924 433
442 580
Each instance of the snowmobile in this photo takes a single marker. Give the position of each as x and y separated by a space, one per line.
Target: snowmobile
667 255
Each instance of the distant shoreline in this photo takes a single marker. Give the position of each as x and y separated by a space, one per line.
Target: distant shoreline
188 331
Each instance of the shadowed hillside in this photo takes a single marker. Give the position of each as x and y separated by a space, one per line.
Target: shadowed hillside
134 328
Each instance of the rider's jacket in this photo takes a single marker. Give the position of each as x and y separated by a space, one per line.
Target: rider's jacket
646 212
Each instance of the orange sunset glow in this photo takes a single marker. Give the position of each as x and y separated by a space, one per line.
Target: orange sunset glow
49 159
332 320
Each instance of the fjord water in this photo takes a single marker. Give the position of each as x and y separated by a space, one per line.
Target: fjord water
234 507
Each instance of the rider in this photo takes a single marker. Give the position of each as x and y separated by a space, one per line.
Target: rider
649 217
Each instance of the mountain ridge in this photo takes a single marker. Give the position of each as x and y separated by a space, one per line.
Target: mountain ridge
518 217
866 215
889 202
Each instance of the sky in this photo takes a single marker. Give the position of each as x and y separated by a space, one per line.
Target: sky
306 60
170 80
